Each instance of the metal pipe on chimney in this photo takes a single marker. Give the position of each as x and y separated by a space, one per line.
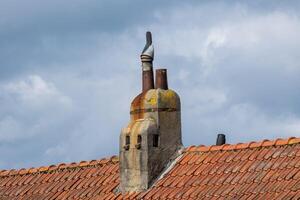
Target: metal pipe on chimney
161 80
148 82
147 64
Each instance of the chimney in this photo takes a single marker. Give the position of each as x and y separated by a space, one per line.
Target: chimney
152 138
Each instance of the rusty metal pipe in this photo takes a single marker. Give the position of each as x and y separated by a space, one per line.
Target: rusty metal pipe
148 82
147 64
161 80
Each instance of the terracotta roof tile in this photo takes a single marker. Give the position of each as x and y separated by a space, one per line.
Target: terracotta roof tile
255 170
293 140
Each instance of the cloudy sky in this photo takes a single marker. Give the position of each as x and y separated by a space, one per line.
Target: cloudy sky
69 70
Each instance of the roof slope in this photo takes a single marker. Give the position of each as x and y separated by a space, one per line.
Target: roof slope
256 170
76 181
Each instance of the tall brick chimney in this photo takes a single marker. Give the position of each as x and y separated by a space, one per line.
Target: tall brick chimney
152 138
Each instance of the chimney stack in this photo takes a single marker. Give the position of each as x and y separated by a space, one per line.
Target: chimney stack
152 138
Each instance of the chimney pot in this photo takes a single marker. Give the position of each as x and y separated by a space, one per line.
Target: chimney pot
161 80
221 139
148 82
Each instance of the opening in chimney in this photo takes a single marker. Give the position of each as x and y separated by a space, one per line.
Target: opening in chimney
139 142
127 142
139 139
155 140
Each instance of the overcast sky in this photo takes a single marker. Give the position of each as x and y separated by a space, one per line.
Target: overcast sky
69 70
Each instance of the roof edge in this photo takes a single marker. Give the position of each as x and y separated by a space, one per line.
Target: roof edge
61 166
252 144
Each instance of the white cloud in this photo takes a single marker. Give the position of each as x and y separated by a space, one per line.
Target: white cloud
236 70
36 91
29 106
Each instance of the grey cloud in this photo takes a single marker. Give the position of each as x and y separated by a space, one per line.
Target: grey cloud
38 33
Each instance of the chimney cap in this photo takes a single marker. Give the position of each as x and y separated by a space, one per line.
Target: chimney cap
148 49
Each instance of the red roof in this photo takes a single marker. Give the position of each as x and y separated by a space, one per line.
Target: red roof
255 170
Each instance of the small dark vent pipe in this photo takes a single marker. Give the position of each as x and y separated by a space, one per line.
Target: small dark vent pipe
147 64
161 80
221 139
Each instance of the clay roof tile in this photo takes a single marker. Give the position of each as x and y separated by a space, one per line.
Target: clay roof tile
4 172
62 166
23 171
227 147
43 169
203 148
190 148
268 168
281 142
293 140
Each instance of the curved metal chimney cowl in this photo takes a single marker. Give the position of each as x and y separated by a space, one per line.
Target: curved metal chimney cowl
147 57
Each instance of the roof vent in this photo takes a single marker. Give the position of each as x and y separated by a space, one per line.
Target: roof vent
221 139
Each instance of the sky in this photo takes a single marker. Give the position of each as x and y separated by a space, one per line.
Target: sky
69 70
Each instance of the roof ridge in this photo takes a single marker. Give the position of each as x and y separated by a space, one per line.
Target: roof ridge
60 166
115 159
252 144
